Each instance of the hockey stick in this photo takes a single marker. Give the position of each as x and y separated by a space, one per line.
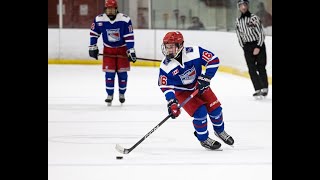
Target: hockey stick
127 151
120 56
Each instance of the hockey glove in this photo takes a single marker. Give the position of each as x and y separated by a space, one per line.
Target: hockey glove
173 108
131 55
93 51
203 83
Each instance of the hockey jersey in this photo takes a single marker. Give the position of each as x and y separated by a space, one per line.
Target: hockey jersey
116 33
176 77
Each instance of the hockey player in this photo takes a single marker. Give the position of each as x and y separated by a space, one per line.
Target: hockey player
118 40
180 74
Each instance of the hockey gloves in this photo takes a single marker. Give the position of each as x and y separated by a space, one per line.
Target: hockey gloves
131 55
173 108
203 83
93 51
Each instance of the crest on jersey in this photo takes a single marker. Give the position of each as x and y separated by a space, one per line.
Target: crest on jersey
188 76
113 35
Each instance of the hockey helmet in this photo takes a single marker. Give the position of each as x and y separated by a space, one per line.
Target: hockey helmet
172 44
173 38
111 4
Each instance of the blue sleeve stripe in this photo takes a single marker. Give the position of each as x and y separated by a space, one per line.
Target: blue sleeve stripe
169 96
168 91
130 44
93 40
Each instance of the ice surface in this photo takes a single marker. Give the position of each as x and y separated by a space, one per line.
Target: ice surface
83 130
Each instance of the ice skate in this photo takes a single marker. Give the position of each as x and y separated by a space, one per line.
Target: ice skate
109 100
121 98
226 138
210 143
264 92
258 95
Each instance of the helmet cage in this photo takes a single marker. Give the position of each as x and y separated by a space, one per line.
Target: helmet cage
168 52
111 11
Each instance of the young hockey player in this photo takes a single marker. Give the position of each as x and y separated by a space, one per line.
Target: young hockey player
180 74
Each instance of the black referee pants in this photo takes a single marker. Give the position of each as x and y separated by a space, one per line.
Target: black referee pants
256 65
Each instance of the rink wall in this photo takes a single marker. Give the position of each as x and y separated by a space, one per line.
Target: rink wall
70 46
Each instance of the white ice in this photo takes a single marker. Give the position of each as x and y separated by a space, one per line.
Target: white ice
83 131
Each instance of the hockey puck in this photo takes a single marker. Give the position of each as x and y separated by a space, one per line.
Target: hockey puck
119 157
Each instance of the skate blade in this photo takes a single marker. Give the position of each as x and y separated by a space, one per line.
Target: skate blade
259 97
109 104
219 149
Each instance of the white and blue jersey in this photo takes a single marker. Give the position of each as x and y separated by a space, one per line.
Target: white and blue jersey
176 77
116 33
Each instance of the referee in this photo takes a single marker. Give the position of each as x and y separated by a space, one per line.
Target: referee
251 38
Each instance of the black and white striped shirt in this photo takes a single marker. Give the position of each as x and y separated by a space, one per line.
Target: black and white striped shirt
249 29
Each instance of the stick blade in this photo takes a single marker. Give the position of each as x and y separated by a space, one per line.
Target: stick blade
121 149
